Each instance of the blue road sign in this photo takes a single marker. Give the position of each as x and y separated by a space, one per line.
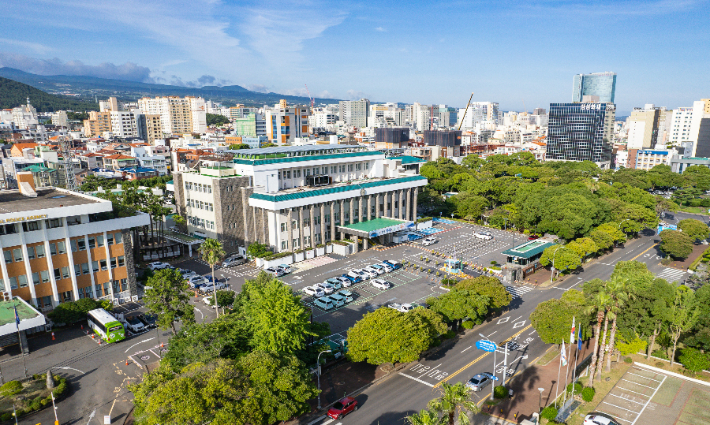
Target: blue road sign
495 378
486 346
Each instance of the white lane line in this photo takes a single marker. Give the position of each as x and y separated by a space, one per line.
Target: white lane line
313 422
69 368
489 335
415 379
645 377
640 385
517 318
466 349
649 399
145 340
626 399
619 407
624 389
201 315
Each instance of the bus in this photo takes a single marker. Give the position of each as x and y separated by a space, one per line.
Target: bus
105 325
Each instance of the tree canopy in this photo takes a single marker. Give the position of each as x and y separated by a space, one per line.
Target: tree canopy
695 229
167 297
675 243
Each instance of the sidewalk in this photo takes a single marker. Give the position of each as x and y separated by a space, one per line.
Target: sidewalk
526 398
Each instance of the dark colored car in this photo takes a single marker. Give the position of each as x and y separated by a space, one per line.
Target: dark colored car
533 237
342 408
352 279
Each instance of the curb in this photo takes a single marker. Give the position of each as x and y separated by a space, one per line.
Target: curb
675 375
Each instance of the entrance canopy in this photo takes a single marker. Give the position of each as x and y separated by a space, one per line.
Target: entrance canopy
29 317
527 253
376 227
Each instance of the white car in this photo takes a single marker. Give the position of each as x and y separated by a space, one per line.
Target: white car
209 300
344 281
371 274
359 273
325 287
394 306
486 236
596 418
196 281
429 241
187 274
375 270
381 284
207 287
274 271
158 265
405 308
387 267
234 260
313 291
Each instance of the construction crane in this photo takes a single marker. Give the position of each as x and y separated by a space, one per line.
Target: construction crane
464 112
312 100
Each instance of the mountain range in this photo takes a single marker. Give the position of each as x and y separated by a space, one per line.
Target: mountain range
14 94
101 88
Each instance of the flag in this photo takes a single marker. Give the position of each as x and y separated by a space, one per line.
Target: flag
579 339
571 334
563 356
17 316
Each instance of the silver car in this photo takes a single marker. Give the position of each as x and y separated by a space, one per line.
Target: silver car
479 382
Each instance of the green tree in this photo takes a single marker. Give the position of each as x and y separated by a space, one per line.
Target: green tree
684 313
552 319
239 147
695 229
663 205
620 292
603 240
212 252
583 247
685 195
73 311
279 386
425 417
469 206
217 120
225 298
455 403
388 336
597 304
633 218
489 287
699 337
560 258
258 250
694 360
457 305
167 297
676 244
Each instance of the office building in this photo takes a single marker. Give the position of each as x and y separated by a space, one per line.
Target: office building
391 137
602 84
642 127
354 113
285 123
294 197
62 246
251 125
581 132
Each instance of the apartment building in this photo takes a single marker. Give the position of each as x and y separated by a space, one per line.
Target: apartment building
178 115
62 246
97 124
354 113
642 127
295 197
285 123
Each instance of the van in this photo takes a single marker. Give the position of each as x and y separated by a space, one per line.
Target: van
135 325
338 299
234 260
324 303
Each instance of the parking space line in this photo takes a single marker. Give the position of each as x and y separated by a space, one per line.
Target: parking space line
626 399
645 377
640 385
624 389
619 407
650 398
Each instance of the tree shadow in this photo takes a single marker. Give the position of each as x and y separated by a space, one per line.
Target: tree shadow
392 418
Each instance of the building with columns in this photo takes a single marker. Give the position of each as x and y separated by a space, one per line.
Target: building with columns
61 246
295 197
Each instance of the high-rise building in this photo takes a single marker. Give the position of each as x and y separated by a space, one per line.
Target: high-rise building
477 113
285 123
354 112
643 127
251 125
123 124
97 124
178 115
581 132
602 84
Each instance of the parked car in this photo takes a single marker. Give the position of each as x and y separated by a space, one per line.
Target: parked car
371 274
596 418
187 274
406 308
344 281
158 265
377 270
326 287
338 299
347 295
387 266
274 271
381 284
352 279
533 237
196 281
207 288
285 268
342 408
479 381
335 282
429 241
208 300
325 303
394 306
149 320
395 264
483 235
313 291
234 260
358 275
135 325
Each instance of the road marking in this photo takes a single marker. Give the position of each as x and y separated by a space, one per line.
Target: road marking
317 420
649 399
91 416
625 399
489 335
619 407
201 315
417 379
466 349
636 383
644 377
145 340
653 246
518 324
624 389
68 368
478 359
503 320
517 318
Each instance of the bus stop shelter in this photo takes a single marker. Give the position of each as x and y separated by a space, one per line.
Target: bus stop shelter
381 228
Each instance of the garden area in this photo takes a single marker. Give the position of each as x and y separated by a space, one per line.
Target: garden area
29 395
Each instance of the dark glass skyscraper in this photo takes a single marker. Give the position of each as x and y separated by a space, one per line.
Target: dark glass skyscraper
581 132
602 84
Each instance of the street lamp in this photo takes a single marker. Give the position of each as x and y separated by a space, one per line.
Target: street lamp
318 361
540 404
493 382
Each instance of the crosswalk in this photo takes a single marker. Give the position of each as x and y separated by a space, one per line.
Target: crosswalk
672 275
518 291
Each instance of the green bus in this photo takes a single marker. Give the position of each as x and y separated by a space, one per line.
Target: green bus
105 325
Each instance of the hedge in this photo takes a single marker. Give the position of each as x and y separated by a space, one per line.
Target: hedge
423 219
588 394
500 392
549 413
278 255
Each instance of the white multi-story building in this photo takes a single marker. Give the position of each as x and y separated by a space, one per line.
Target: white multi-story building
354 112
684 123
25 116
421 116
178 115
477 113
123 124
285 123
296 197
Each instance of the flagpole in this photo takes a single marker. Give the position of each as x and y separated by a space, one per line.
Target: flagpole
19 337
576 353
559 367
571 341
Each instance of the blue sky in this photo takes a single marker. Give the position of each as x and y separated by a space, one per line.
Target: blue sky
515 53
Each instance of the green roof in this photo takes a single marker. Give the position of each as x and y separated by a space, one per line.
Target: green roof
410 159
528 249
37 168
303 158
338 189
375 224
7 312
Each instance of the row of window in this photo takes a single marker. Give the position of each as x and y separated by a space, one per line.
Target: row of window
200 222
287 174
63 273
296 243
198 187
207 206
59 247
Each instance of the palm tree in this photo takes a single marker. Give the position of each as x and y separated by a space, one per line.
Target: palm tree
598 306
425 417
454 398
620 295
212 252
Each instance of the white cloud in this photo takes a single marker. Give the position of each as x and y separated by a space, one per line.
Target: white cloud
380 29
260 88
36 47
357 95
127 71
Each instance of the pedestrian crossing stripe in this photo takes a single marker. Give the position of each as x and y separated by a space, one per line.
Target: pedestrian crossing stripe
671 275
518 291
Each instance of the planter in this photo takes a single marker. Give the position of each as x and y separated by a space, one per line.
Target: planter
299 256
424 225
341 249
260 262
310 254
278 261
320 251
328 249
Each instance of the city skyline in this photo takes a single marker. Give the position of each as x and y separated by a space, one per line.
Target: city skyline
519 56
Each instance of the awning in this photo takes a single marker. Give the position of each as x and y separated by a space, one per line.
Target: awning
376 227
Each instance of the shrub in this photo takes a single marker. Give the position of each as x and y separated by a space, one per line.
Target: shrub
11 388
588 394
694 360
6 416
46 401
577 387
660 364
36 405
661 354
549 413
448 335
628 360
61 388
468 324
500 392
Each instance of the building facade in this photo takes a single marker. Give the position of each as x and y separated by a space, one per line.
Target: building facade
581 132
643 127
354 112
285 123
602 84
178 115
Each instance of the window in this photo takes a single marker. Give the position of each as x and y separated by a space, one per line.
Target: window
103 265
61 248
85 268
53 222
121 261
113 262
109 238
13 283
99 240
65 272
92 242
39 249
95 266
77 269
358 167
119 238
124 284
74 220
73 245
17 253
44 274
367 165
30 252
35 278
97 289
283 227
283 245
53 249
30 226
8 229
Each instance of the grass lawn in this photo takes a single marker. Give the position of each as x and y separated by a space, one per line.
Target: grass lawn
694 210
602 389
665 365
546 358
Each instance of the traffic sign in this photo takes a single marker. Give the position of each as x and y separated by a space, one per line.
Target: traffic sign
489 346
495 378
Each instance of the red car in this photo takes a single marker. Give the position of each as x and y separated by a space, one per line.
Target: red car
533 237
342 408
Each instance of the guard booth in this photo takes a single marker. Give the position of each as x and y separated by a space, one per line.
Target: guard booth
381 229
453 266
523 260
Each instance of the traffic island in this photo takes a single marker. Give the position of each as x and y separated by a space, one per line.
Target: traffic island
30 395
